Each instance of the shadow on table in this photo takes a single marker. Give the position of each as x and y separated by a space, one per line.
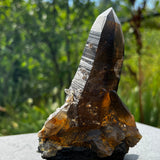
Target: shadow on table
131 157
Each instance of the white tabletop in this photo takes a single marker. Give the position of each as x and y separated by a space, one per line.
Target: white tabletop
24 147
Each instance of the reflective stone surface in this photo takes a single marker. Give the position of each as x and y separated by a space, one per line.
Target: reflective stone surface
93 116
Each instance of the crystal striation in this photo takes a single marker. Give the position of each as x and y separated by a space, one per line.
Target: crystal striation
93 116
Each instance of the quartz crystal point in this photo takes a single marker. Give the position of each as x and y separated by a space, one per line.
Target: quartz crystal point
93 116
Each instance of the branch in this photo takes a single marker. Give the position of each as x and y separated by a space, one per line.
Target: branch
150 15
132 73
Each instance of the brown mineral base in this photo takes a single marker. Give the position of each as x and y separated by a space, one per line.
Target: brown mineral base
93 123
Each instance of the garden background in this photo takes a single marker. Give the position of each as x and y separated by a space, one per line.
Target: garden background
41 42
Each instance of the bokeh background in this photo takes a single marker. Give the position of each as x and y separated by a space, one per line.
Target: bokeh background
41 42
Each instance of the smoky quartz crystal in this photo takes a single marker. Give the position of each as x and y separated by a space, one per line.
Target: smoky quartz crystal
93 119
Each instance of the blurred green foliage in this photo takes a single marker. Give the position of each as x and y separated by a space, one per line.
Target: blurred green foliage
41 43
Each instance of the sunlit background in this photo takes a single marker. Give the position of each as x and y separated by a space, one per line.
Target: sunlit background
41 42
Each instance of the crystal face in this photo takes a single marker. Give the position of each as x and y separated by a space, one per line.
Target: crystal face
93 115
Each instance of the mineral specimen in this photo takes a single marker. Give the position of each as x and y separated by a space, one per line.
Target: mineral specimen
93 116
